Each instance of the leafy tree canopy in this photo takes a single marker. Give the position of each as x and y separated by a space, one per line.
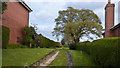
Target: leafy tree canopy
73 24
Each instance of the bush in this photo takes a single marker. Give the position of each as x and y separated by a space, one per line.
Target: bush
72 46
5 36
105 51
13 46
58 44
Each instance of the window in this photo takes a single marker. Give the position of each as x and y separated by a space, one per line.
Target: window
18 39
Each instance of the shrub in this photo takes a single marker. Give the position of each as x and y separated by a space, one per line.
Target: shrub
72 46
105 51
13 46
5 36
58 44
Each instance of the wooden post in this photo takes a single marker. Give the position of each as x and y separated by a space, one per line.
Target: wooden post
30 43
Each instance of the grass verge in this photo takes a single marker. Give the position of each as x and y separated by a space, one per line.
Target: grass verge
81 59
61 59
23 57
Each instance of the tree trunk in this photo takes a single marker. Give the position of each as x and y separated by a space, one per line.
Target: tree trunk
76 40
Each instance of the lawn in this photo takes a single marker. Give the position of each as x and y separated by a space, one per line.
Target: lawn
23 57
81 59
61 59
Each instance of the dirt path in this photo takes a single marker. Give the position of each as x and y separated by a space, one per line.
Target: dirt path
47 62
47 59
70 62
51 56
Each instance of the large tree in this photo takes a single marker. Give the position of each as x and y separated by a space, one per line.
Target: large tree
73 24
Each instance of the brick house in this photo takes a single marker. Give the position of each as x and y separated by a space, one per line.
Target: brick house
16 17
111 30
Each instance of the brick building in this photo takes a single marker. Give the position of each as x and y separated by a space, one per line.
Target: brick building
16 17
111 30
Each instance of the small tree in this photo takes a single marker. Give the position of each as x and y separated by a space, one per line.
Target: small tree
29 36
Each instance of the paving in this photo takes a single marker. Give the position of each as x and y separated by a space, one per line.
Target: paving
47 59
47 62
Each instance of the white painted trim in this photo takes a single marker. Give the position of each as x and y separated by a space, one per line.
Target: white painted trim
25 5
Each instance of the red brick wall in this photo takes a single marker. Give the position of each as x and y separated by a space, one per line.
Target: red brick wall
15 17
109 19
116 32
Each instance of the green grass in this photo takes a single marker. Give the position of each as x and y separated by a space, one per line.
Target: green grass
81 59
61 59
66 48
23 57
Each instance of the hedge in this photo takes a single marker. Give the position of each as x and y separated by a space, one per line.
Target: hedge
105 52
5 36
47 43
13 46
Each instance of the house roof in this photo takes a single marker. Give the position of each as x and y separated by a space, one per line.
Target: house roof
25 5
115 27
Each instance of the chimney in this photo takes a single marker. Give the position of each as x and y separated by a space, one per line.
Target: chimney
109 1
109 18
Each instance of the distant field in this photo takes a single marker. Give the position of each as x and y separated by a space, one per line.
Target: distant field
61 59
23 57
81 59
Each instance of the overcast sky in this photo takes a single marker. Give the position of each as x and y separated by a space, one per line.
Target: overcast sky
46 11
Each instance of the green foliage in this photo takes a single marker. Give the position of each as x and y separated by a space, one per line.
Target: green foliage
46 43
105 51
72 46
5 36
73 24
30 36
36 40
3 7
63 42
13 46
